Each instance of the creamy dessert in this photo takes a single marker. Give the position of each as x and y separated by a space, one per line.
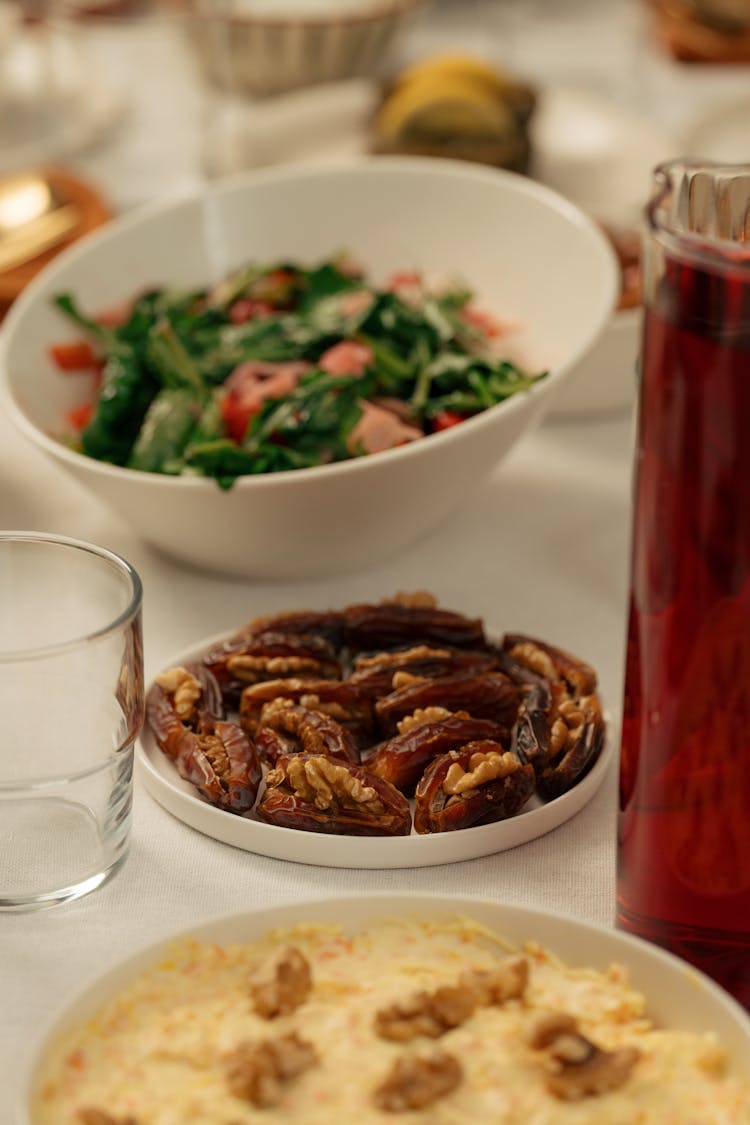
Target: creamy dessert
405 1021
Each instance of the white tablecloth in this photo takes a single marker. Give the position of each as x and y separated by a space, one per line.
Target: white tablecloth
542 548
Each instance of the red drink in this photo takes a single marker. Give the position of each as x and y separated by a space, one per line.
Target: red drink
684 824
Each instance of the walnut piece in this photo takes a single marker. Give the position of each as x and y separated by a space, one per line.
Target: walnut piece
254 669
258 1072
577 1068
535 658
506 981
404 679
483 768
216 752
281 983
420 599
397 659
425 1013
288 717
424 715
90 1115
416 1081
569 721
185 688
327 785
332 708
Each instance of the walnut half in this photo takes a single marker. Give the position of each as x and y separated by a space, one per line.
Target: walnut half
281 984
577 1068
328 785
482 769
507 981
184 687
425 1013
258 1072
90 1115
416 1081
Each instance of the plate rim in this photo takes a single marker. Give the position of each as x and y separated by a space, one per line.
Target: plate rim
276 842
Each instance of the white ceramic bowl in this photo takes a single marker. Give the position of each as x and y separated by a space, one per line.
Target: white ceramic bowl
678 996
530 255
265 47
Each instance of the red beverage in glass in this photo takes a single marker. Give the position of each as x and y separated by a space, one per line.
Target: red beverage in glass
684 823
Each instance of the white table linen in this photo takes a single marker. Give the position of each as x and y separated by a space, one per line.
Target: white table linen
542 549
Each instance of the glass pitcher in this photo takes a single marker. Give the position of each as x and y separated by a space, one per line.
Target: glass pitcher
683 876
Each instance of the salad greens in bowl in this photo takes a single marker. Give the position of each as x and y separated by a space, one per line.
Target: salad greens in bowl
299 371
281 367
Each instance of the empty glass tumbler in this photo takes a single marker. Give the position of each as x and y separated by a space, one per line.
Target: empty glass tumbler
684 824
71 706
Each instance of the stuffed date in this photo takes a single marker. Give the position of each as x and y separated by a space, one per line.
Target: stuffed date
315 793
214 755
479 784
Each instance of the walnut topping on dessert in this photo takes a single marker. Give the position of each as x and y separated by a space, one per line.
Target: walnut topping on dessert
577 1068
416 1081
93 1116
281 983
433 1013
494 986
259 1072
426 1013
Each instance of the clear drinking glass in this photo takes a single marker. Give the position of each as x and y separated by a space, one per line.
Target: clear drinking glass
71 706
684 825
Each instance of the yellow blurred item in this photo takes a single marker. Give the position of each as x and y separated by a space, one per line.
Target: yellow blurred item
41 212
459 106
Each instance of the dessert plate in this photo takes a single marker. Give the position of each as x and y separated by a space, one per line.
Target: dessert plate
598 154
721 133
677 995
178 797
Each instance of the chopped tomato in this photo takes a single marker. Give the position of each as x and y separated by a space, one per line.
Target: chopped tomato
445 419
275 287
483 320
80 416
245 308
115 315
404 279
348 357
236 416
74 355
248 387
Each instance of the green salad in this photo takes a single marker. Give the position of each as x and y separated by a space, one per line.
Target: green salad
281 367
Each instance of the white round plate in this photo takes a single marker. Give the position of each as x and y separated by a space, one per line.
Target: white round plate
677 995
183 801
721 133
598 154
78 121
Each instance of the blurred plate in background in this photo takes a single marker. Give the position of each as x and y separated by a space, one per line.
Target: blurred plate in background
721 133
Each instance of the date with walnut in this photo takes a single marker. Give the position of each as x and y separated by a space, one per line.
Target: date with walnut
387 719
